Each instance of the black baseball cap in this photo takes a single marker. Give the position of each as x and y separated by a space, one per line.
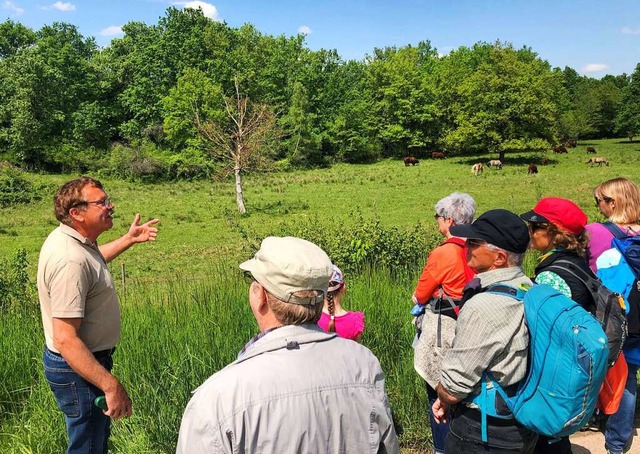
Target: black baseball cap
501 228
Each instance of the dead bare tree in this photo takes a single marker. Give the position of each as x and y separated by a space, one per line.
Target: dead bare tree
243 139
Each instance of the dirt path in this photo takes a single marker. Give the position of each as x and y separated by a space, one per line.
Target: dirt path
592 442
587 442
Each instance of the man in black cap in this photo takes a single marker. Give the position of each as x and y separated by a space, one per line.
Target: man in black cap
491 336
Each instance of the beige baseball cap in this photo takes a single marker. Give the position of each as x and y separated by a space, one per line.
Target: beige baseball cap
287 265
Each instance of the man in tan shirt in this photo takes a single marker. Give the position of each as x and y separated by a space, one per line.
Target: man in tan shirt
81 312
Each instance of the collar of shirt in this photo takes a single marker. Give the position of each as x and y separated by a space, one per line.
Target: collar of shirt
499 275
255 339
73 233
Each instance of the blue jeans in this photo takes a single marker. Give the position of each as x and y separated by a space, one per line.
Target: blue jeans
438 431
619 428
87 427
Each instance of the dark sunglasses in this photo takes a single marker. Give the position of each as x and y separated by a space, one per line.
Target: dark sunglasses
533 226
248 277
475 243
604 199
436 216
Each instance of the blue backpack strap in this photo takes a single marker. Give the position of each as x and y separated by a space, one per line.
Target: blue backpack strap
486 402
614 229
508 290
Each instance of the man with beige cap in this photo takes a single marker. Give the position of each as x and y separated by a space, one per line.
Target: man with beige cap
293 388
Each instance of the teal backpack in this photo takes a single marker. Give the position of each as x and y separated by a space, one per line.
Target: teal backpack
566 367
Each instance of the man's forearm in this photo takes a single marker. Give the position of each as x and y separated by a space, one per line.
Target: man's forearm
116 247
81 360
445 396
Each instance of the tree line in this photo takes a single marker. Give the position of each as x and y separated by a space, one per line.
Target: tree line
163 101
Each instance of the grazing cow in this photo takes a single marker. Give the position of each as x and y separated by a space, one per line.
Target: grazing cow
560 149
591 150
598 160
571 143
495 164
544 161
532 169
438 155
477 169
410 160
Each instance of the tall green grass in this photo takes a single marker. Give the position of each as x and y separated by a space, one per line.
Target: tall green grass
184 319
175 335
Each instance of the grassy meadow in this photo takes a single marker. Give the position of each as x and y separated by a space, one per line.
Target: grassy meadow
184 302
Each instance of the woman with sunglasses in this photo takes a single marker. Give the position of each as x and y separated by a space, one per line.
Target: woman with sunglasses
440 287
619 201
557 230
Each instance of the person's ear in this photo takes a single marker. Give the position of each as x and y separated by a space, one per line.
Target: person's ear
500 260
259 296
76 214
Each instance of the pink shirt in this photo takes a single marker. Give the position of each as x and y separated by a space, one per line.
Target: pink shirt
349 325
599 241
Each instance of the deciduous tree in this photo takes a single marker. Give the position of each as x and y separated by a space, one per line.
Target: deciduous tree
243 139
628 119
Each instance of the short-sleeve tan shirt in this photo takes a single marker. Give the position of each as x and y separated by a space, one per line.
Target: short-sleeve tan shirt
74 282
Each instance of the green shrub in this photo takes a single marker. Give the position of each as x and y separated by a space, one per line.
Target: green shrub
189 164
367 243
136 163
16 289
145 162
15 188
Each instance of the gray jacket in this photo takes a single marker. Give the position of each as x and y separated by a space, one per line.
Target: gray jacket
296 390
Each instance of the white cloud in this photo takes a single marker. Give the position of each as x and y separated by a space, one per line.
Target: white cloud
8 4
304 30
594 67
630 31
111 31
207 9
62 6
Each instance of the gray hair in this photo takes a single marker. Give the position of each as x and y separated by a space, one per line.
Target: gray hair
457 206
513 258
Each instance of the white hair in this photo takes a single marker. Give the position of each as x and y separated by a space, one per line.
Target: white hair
513 258
457 206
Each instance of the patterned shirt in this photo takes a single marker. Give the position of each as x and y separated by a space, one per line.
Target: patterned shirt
490 335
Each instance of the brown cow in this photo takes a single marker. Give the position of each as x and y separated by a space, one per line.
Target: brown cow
571 143
438 155
544 161
477 169
532 169
591 150
560 149
598 160
410 160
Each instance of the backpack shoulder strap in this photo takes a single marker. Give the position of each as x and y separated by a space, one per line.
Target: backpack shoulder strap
589 282
614 229
508 290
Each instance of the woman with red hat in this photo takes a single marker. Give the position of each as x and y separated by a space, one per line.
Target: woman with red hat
557 230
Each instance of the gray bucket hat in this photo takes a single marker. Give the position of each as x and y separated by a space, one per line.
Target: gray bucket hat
287 265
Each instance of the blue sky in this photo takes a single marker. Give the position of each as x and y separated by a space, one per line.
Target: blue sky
594 37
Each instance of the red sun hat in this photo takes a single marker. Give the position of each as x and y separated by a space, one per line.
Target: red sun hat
561 212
